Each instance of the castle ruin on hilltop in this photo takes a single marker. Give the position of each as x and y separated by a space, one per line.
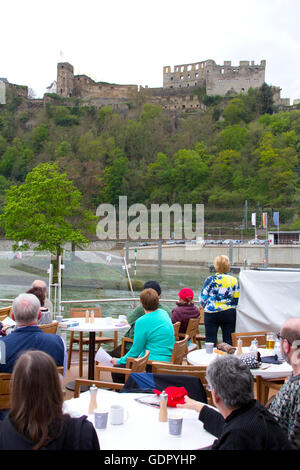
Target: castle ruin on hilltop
217 79
179 90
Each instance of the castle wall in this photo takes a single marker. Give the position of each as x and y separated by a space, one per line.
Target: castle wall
18 90
85 87
172 99
185 76
222 78
218 79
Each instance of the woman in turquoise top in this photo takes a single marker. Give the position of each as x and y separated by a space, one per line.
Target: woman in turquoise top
153 331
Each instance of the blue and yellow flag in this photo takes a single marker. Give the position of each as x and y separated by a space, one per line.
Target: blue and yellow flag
265 219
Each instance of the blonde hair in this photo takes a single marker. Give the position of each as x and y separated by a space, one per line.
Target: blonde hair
222 264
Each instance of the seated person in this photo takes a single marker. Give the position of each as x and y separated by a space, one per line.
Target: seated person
286 405
28 336
241 422
154 331
43 286
36 420
185 309
46 316
135 314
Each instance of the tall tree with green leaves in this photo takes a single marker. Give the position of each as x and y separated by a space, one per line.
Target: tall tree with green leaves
46 210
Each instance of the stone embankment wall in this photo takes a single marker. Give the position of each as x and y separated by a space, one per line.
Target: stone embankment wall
279 256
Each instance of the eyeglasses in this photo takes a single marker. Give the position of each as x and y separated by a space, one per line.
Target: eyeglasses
208 388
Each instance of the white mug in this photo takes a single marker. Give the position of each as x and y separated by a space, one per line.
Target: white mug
117 414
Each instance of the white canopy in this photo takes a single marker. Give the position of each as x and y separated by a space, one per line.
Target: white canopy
267 299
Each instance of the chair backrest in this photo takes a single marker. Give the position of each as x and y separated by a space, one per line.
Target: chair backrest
49 327
80 312
176 329
179 351
193 328
5 380
183 369
5 312
261 337
201 317
138 364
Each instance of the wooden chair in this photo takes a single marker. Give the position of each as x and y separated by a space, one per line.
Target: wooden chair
261 337
60 370
49 327
132 365
263 386
176 329
191 331
81 340
123 343
5 383
199 338
179 351
183 369
5 312
5 380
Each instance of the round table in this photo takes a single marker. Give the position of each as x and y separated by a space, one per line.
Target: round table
199 357
99 324
141 430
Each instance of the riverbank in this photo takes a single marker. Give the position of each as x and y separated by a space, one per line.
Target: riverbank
281 256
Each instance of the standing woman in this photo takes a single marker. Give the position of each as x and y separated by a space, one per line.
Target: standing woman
219 298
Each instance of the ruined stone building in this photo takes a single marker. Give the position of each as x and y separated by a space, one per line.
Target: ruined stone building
217 79
178 93
7 88
178 88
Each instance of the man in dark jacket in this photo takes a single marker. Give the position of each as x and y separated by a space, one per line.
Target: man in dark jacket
241 422
27 335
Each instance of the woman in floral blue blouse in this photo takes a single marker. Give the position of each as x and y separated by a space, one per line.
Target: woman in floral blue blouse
219 298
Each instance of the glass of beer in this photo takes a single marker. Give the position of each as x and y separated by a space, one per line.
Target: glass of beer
270 341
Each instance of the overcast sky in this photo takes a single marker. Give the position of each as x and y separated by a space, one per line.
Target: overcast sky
129 41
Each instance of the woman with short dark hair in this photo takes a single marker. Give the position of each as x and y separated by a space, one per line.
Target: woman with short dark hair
36 420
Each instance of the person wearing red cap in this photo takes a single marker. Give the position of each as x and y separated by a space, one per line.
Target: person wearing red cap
185 309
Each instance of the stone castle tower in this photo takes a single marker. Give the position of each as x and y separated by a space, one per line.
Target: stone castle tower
65 79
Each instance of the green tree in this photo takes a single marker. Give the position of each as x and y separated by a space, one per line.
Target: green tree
46 210
115 181
39 136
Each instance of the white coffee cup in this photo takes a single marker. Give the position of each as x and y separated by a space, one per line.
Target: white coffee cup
122 317
117 414
209 347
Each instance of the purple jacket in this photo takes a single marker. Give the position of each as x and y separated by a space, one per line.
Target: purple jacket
182 313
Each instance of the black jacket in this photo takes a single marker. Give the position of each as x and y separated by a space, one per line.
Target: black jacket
250 427
77 434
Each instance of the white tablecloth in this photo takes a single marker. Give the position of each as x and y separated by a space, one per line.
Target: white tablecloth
142 430
199 357
99 324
